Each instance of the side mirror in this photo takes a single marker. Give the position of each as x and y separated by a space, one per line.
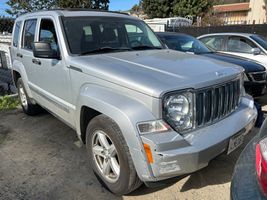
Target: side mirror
256 51
44 50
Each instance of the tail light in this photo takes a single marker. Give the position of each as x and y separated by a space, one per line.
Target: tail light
261 164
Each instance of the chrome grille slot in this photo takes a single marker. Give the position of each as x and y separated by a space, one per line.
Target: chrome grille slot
216 102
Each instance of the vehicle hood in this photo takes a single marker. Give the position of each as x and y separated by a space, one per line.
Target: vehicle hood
155 72
247 64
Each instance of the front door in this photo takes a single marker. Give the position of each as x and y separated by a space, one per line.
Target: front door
241 46
52 79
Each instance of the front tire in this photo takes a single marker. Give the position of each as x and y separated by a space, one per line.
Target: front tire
28 107
110 157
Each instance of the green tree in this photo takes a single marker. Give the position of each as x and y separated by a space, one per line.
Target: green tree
73 3
192 8
157 8
21 6
169 8
100 4
135 9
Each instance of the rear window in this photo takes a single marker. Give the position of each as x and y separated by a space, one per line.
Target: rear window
16 34
29 33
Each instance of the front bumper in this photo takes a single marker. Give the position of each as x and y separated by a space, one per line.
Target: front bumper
176 155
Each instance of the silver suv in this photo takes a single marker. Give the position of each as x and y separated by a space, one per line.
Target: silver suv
145 113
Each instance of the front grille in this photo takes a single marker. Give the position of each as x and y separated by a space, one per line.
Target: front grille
216 102
258 76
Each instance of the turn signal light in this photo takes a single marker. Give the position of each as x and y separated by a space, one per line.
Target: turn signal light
148 153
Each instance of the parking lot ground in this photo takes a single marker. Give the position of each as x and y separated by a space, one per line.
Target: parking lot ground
41 158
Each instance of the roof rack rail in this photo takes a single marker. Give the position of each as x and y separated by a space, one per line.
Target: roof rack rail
78 9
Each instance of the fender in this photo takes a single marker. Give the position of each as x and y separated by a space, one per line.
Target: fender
18 67
126 112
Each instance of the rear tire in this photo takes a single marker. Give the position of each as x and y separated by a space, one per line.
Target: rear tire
107 147
26 103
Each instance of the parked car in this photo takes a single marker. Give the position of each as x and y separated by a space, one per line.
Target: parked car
6 81
249 179
246 45
144 112
255 73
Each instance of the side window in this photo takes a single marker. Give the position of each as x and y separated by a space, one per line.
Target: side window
87 34
132 29
214 43
135 34
16 34
48 33
138 37
109 35
29 33
240 45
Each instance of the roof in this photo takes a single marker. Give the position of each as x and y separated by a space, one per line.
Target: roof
235 7
227 34
76 13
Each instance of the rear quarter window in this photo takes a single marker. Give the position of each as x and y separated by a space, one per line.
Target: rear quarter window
16 34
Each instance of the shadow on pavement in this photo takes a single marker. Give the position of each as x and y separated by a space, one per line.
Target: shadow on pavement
40 160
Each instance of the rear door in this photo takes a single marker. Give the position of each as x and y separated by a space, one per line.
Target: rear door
14 49
214 43
25 53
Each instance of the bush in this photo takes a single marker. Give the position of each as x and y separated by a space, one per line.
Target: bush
8 103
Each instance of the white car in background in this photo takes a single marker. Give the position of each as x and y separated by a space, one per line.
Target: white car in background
246 45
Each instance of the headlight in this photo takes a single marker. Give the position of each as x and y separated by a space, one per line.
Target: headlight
178 111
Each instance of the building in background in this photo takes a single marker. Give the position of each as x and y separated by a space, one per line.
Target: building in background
252 12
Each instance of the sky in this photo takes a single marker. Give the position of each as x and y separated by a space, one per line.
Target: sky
114 5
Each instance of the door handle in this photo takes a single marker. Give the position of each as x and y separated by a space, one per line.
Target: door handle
19 55
36 61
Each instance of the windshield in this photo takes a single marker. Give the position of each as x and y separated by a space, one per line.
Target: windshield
185 43
262 41
87 35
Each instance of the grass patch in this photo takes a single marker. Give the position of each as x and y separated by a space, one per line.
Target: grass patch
8 103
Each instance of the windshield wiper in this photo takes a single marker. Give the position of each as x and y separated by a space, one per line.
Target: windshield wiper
145 47
105 50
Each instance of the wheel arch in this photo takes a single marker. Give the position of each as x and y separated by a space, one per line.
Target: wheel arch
16 75
18 71
123 110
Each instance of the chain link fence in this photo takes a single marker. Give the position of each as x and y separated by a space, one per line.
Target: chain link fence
6 82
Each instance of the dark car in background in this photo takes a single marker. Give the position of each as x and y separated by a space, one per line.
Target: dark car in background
6 81
249 179
255 73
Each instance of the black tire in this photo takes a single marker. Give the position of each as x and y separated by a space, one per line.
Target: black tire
128 179
29 108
